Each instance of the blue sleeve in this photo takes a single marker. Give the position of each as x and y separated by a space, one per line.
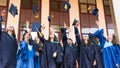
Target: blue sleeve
59 53
4 59
78 41
118 54
77 36
1 19
64 39
100 35
22 51
64 36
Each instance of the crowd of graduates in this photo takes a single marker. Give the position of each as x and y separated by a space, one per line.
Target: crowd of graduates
94 51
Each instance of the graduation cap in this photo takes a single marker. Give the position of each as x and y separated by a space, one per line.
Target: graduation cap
74 22
66 5
36 27
91 35
13 10
95 12
35 9
49 18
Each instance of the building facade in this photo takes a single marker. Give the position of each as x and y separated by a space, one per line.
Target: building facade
108 16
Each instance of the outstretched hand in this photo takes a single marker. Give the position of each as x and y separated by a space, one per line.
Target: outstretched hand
97 22
43 26
3 13
77 24
65 26
117 65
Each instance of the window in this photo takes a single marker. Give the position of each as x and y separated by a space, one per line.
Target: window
91 2
4 5
54 6
27 14
83 8
83 1
26 4
3 2
87 20
58 16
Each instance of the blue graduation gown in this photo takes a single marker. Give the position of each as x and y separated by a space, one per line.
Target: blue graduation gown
8 50
25 57
111 52
70 57
87 54
69 53
52 47
37 59
47 57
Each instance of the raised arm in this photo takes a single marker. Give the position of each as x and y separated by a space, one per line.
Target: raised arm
77 36
1 19
100 35
64 35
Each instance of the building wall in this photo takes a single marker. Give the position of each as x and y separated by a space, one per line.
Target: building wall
73 13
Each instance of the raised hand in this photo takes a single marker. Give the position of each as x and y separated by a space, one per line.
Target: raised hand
54 54
69 29
65 26
43 26
77 24
117 65
3 13
97 22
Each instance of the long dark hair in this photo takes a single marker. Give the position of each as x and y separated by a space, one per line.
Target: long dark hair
55 39
13 31
84 44
114 40
94 40
25 32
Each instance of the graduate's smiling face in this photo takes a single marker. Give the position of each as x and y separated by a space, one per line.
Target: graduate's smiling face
10 30
69 41
85 38
110 38
27 36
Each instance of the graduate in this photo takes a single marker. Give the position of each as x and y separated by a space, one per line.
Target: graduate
26 53
98 51
111 50
11 31
88 56
7 50
38 48
51 57
70 60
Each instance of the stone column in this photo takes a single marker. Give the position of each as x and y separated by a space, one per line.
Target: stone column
73 14
115 12
44 16
14 21
101 16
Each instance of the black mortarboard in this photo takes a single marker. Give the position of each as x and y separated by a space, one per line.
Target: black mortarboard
36 26
35 9
74 22
91 35
13 10
95 12
49 18
63 30
66 5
